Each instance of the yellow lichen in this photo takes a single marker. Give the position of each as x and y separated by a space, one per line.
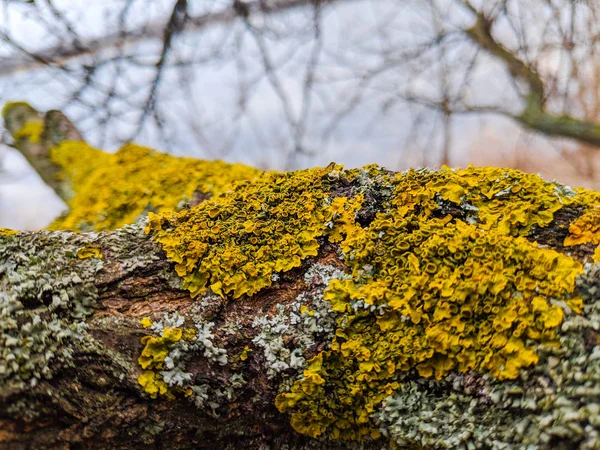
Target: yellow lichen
89 252
8 232
156 349
462 293
111 190
153 384
10 105
245 353
586 229
448 265
152 359
31 131
233 244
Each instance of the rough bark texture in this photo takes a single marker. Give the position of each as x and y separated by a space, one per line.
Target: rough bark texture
93 398
195 330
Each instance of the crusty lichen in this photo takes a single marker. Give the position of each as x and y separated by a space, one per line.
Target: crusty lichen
110 190
165 355
446 277
306 322
45 291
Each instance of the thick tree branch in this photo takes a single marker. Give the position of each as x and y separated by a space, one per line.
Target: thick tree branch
323 308
34 135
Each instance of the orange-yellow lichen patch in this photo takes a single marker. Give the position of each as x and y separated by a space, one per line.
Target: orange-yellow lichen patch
443 277
234 244
153 356
343 217
586 229
89 252
460 292
8 232
153 384
111 190
156 349
245 353
10 105
32 131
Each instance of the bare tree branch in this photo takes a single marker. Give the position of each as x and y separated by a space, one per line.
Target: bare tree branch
534 115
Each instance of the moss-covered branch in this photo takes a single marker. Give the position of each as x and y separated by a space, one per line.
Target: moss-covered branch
534 115
323 308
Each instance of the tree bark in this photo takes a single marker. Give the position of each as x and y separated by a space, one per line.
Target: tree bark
87 321
91 398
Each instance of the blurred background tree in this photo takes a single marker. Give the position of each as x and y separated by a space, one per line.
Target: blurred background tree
292 83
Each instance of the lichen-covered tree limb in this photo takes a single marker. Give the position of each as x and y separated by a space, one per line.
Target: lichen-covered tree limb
35 134
323 308
104 191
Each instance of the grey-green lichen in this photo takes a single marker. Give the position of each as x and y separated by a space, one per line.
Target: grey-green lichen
286 336
549 406
166 356
134 251
46 289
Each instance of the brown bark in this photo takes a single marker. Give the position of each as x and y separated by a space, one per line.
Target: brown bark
93 400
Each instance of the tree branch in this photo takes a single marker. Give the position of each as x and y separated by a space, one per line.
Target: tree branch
535 115
34 134
308 309
59 55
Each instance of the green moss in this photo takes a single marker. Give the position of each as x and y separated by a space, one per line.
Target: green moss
108 191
